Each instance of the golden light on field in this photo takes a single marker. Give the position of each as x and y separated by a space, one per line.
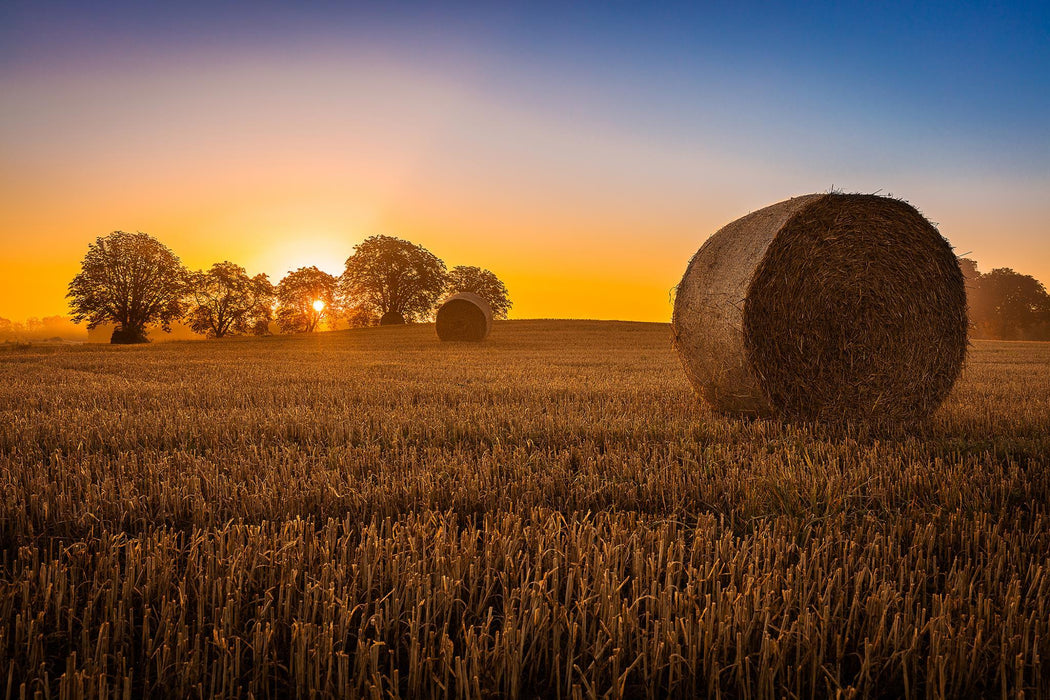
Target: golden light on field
318 305
663 537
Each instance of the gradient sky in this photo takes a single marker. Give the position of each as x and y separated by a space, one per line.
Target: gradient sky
581 152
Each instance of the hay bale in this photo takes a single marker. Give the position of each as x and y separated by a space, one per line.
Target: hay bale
824 307
392 318
464 317
130 336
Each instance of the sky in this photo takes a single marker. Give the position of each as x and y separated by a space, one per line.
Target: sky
582 152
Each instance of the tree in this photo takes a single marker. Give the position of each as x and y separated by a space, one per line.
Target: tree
1006 304
464 278
226 301
392 276
130 279
969 269
361 317
305 298
48 327
970 276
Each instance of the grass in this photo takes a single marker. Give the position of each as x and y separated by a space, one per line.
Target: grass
549 514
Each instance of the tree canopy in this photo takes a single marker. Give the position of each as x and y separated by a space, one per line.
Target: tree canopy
1008 305
305 298
226 301
465 278
130 279
391 275
969 270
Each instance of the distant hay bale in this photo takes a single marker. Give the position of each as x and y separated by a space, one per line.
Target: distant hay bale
130 336
464 317
824 307
392 318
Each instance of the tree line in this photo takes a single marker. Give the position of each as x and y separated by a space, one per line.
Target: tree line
134 281
51 328
1005 305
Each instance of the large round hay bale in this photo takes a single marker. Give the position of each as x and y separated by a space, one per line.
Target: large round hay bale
392 318
824 307
464 317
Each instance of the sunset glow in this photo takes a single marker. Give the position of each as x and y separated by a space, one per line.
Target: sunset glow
318 305
584 175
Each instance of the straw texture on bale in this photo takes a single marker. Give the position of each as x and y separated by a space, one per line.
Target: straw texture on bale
392 318
464 317
130 336
824 307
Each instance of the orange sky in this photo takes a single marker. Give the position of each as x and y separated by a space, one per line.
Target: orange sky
280 159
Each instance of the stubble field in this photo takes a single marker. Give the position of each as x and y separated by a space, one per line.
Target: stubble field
549 514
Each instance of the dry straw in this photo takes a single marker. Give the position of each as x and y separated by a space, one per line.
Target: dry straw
464 317
824 307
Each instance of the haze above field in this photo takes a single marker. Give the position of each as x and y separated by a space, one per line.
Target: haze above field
582 153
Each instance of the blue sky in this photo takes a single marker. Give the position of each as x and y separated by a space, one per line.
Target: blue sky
973 76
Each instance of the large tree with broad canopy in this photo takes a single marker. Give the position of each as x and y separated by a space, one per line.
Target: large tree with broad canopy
393 276
132 280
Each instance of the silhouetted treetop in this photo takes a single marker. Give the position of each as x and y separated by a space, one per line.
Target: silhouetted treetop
305 298
465 278
1006 304
393 276
130 279
969 268
226 301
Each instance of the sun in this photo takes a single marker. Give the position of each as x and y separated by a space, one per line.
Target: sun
318 305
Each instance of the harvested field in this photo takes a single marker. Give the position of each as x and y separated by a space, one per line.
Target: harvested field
549 514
